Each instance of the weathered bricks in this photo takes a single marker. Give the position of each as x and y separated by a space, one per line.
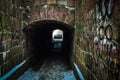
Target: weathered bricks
98 61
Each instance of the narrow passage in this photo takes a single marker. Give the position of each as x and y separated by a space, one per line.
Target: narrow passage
55 67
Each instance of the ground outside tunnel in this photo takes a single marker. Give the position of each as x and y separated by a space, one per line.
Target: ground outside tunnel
55 67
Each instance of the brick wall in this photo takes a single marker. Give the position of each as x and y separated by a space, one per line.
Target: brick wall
54 10
97 38
11 38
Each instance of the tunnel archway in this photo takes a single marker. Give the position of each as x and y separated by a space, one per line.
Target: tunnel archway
38 37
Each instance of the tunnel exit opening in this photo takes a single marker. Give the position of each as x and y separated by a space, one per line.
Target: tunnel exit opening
48 38
57 39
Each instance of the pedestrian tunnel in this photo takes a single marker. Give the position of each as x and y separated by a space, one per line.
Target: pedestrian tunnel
48 37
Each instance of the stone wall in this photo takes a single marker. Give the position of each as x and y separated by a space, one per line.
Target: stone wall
97 36
11 37
59 10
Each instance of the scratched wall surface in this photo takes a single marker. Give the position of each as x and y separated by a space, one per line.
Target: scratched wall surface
97 41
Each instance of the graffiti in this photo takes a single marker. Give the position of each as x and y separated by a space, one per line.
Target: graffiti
42 13
103 42
50 12
90 14
105 52
105 32
104 9
97 45
56 13
62 14
100 41
101 33
109 32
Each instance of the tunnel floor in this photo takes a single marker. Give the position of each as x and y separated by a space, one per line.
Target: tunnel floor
53 68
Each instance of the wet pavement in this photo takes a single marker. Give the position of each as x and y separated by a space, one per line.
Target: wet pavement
53 68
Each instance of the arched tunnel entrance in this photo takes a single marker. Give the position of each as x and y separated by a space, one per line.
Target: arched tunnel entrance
49 44
40 43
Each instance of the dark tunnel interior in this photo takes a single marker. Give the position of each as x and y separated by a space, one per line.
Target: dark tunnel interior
38 37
